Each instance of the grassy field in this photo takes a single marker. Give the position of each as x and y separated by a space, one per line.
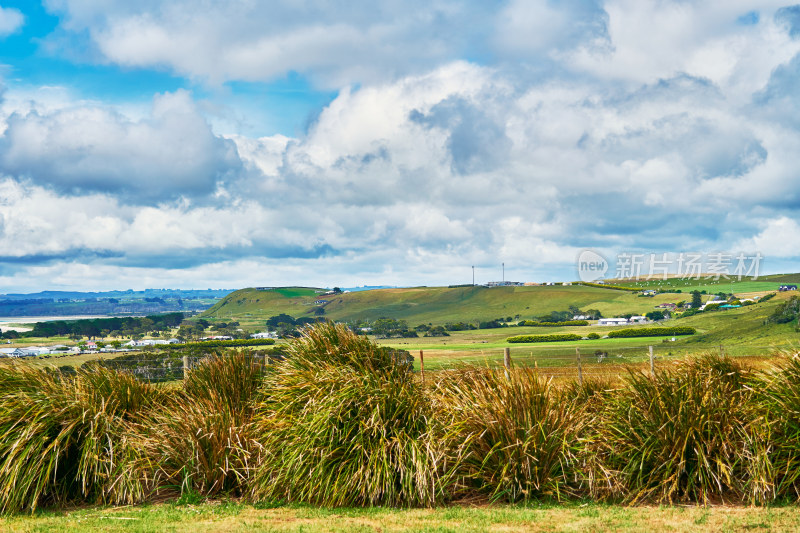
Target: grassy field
711 286
741 332
437 305
574 517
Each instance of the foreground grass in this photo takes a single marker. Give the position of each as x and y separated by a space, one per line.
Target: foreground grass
232 517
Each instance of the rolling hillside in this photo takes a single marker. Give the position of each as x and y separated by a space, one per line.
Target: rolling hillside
436 305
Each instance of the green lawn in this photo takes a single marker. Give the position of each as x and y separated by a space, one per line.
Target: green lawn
570 517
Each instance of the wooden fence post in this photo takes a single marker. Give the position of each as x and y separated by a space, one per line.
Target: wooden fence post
580 366
507 359
422 366
652 363
186 367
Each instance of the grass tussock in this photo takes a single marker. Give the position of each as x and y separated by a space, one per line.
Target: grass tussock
64 438
200 442
343 422
685 434
226 377
508 435
780 401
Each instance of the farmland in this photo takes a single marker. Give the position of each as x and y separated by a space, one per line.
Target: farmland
740 332
438 305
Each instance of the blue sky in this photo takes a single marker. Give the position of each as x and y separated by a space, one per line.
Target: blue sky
170 143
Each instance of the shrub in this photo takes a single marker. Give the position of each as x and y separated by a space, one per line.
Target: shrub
786 312
593 336
556 337
509 437
651 332
233 343
343 422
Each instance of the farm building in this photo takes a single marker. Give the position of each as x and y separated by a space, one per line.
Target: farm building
784 288
612 322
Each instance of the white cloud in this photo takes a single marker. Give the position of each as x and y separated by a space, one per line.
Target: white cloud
334 43
651 137
651 39
10 20
171 153
780 237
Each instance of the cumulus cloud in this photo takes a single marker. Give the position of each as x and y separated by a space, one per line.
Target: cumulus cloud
172 153
334 43
780 237
665 127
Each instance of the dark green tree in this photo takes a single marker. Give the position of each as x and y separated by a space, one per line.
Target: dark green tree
697 299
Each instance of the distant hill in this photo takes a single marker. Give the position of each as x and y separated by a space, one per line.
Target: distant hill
422 305
149 301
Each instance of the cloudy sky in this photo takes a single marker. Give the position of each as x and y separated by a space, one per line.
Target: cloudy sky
229 143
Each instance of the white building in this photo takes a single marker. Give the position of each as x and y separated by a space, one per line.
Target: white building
612 322
265 335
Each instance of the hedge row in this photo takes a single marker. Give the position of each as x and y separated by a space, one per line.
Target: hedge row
554 324
652 332
233 343
557 337
604 286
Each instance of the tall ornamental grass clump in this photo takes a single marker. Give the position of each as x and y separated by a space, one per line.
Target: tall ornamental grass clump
343 422
199 442
64 439
508 435
232 377
780 399
687 434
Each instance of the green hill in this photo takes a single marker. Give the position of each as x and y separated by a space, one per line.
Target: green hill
422 305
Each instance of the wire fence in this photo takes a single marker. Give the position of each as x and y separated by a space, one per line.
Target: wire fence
567 362
172 367
605 362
